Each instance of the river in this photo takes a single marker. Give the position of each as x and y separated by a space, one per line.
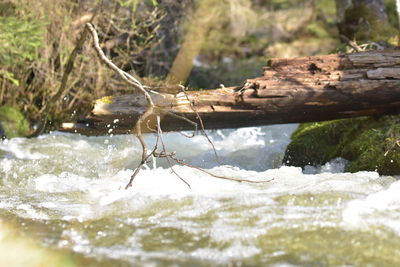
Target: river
66 191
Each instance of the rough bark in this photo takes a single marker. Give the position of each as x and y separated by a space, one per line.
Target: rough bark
295 90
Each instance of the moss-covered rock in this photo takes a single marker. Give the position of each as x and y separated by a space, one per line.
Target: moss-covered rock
369 144
375 147
12 122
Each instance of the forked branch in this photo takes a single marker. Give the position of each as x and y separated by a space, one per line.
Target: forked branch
152 109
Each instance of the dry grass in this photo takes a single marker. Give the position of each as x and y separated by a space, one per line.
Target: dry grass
130 35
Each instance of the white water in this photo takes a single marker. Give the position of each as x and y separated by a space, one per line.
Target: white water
66 190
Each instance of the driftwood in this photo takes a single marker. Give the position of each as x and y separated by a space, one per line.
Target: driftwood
295 90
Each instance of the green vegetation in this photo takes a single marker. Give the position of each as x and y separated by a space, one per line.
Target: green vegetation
392 13
317 143
20 39
369 144
142 37
247 29
376 147
13 122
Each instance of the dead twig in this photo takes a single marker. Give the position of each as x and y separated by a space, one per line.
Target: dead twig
201 123
137 129
171 156
214 175
125 76
159 133
144 157
351 43
181 118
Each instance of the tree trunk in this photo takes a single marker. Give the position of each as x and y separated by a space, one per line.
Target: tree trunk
295 90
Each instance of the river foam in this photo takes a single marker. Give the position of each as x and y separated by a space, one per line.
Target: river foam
72 186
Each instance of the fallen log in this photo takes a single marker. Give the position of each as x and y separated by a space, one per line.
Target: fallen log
303 89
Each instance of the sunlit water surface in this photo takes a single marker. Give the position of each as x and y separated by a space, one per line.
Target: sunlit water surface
67 191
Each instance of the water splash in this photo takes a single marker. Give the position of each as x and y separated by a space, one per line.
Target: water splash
67 190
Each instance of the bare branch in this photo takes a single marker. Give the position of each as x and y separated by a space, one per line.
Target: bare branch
137 129
125 76
217 176
201 124
351 43
152 110
144 156
168 158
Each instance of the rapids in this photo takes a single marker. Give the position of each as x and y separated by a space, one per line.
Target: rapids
67 191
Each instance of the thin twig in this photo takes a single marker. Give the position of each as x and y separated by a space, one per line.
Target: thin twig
201 124
351 43
217 176
168 158
171 156
170 113
144 157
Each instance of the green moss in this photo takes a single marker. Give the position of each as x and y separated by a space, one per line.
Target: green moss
318 143
376 147
368 144
13 122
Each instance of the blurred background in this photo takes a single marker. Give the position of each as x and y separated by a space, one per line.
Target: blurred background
201 44
222 42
